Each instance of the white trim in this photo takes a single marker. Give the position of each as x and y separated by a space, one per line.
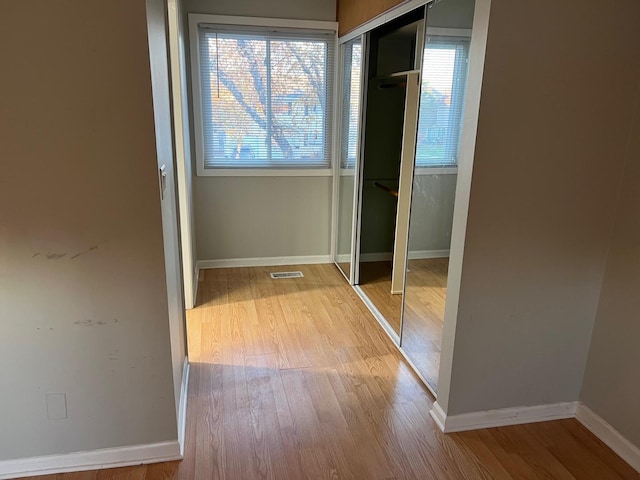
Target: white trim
196 97
196 19
356 230
91 460
377 315
477 51
335 154
263 172
405 180
264 261
182 147
436 171
262 22
609 436
599 427
438 415
502 417
423 254
182 409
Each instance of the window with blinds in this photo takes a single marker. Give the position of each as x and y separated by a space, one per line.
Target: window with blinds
444 81
265 97
351 92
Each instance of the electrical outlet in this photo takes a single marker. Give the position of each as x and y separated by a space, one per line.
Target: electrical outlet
57 406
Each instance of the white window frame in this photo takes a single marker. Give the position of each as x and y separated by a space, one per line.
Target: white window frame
196 19
445 169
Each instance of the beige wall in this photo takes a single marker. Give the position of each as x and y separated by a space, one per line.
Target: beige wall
83 297
452 14
432 212
247 217
296 9
554 118
611 387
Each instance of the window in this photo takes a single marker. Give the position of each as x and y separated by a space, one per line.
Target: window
351 92
444 82
265 98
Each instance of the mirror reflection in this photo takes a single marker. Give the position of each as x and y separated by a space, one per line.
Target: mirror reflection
391 121
352 66
444 75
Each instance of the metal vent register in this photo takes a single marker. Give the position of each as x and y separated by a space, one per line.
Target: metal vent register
286 275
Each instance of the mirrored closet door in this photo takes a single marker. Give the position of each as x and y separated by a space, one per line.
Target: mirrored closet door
403 93
390 124
444 75
351 67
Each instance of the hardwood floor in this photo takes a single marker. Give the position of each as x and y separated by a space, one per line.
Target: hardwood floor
425 297
294 379
375 281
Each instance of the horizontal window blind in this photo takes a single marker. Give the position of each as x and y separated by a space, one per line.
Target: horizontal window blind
444 80
266 98
351 90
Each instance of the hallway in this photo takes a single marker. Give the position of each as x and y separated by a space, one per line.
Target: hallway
294 379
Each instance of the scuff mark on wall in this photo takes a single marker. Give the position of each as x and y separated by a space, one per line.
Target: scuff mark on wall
58 256
89 323
91 249
93 323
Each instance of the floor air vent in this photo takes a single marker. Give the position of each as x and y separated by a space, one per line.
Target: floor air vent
286 275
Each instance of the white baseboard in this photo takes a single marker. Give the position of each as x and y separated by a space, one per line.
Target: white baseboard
439 416
609 436
92 460
263 261
182 409
626 450
343 257
502 417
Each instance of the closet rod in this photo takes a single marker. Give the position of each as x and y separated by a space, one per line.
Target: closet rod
389 190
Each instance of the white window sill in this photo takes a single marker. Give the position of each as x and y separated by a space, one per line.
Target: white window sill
266 172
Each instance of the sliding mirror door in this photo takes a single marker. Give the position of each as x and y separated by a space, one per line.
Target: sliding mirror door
349 150
389 148
444 75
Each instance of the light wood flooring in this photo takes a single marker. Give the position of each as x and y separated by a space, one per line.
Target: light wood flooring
375 282
294 379
425 297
